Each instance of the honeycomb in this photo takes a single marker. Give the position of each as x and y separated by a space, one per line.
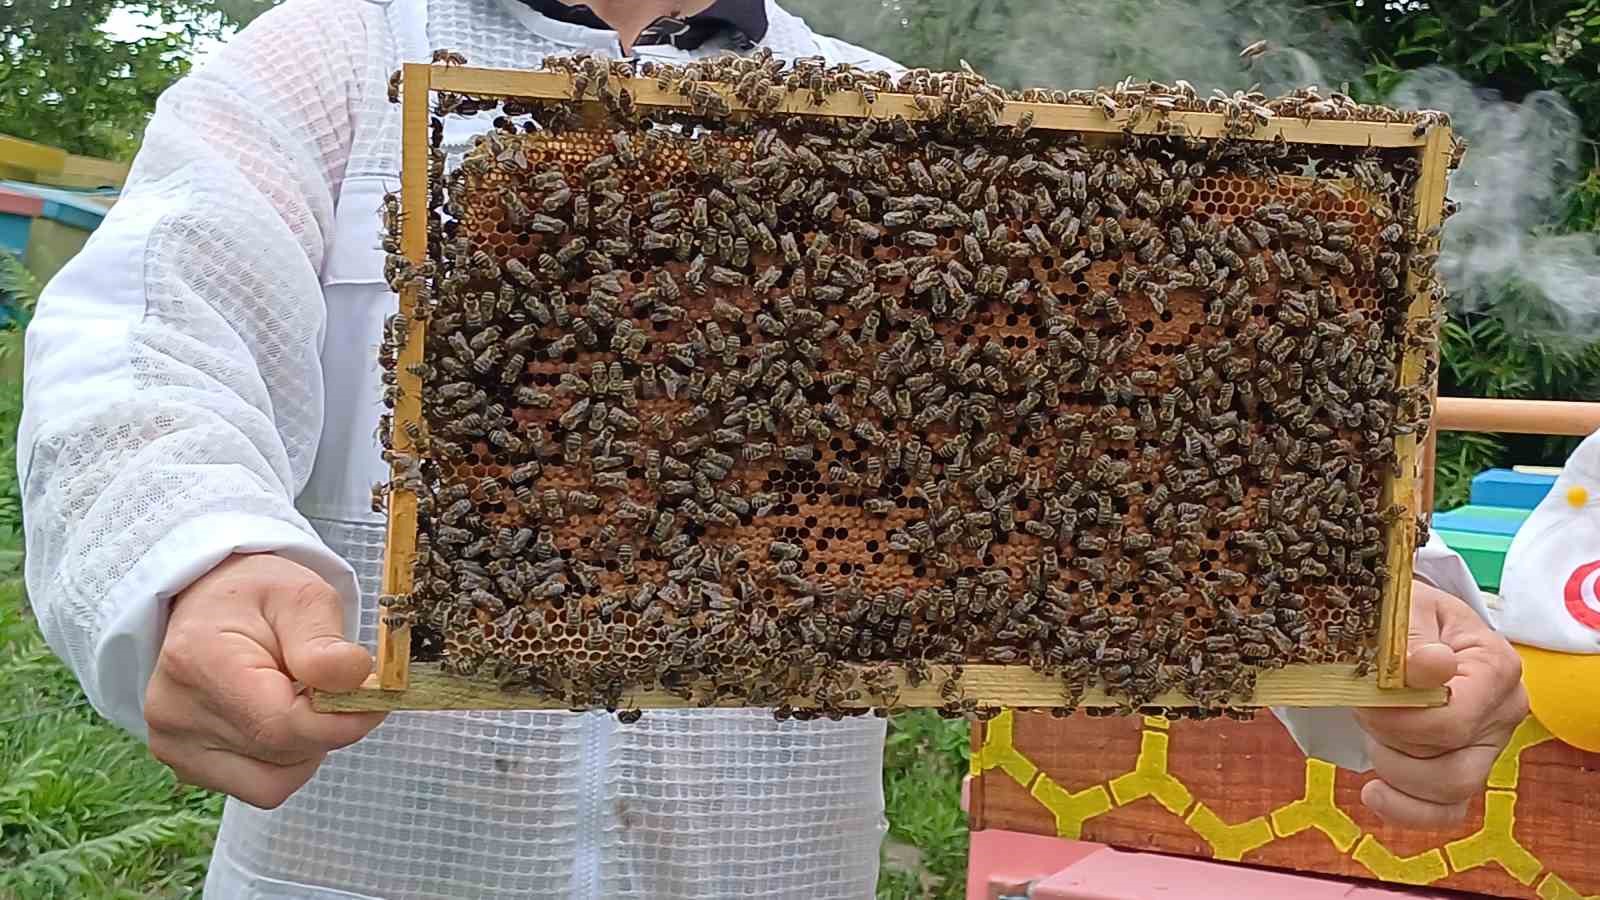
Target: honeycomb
732 405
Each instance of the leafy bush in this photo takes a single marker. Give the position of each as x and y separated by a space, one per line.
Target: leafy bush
1483 358
1514 49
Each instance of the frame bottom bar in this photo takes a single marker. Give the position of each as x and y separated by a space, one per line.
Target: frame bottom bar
1315 685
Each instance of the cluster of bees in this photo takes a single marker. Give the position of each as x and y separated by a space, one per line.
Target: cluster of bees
783 410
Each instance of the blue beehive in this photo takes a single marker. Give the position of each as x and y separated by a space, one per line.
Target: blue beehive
1502 499
46 226
1504 487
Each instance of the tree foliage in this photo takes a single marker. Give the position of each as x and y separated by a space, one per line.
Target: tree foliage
65 81
1512 47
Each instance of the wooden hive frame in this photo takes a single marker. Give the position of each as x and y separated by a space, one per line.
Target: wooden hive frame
398 684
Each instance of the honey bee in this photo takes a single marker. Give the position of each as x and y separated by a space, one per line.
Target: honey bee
876 506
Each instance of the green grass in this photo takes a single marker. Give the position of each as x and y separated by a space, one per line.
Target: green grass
85 812
925 855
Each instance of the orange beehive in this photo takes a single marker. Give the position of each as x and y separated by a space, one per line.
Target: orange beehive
1178 787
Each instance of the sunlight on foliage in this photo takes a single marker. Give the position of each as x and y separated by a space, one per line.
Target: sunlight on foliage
66 82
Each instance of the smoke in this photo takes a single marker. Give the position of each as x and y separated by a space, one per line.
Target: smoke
1521 164
1083 43
1498 254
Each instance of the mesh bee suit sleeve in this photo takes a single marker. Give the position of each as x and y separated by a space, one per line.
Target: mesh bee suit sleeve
174 393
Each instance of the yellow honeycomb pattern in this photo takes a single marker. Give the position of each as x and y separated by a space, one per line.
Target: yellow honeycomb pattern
1493 844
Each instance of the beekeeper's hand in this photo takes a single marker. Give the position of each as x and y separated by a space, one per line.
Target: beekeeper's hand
1429 763
224 707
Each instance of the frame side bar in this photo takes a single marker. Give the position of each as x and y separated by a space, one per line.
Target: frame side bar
394 638
1402 484
482 82
974 785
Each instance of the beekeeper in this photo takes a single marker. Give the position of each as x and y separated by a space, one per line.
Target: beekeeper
197 454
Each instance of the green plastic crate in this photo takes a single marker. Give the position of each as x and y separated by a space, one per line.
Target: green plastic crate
1503 520
1485 554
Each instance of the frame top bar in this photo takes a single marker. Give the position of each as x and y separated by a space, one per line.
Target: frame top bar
481 82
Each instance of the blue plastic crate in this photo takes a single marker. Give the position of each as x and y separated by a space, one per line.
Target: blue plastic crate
1503 487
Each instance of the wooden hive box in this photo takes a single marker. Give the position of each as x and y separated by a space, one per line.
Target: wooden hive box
1242 791
797 388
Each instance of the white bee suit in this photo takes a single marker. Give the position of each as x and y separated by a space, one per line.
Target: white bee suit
202 379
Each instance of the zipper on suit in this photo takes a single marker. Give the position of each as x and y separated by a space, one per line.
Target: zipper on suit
592 766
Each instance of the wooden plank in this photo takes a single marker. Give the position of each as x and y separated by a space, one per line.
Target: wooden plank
1401 482
1531 825
88 171
1573 418
1517 416
1428 451
1328 684
31 156
394 639
1046 116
